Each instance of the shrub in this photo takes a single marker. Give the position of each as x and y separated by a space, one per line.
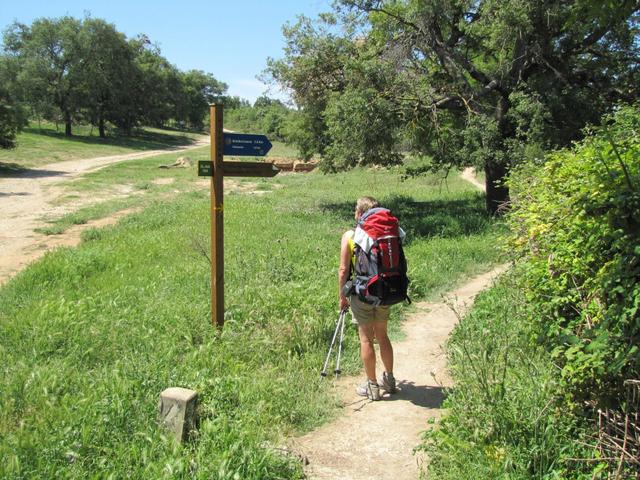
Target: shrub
576 225
557 337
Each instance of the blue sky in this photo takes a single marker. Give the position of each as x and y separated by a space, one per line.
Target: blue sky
230 39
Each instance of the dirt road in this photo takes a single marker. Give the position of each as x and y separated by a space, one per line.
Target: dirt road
27 197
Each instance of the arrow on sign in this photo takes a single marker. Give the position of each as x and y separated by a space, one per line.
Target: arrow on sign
246 144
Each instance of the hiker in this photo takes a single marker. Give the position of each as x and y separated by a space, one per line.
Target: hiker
370 316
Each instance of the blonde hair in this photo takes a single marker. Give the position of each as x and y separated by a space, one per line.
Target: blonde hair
365 203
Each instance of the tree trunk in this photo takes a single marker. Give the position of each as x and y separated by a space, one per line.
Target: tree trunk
67 124
497 192
101 128
495 172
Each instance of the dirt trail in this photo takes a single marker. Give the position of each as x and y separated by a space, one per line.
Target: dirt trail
26 197
376 439
469 174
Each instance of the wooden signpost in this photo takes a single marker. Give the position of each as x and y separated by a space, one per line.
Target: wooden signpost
227 144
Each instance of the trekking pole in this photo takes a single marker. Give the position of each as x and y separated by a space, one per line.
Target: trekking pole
333 341
337 371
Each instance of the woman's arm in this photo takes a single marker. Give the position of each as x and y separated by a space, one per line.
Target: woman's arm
345 268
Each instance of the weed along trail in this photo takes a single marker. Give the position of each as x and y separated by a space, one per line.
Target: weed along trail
376 439
28 196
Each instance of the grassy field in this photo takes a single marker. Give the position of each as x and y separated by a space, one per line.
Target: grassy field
142 176
42 144
282 150
90 336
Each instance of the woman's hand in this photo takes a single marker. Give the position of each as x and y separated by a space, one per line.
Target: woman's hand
344 303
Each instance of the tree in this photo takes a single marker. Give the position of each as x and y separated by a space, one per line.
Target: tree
12 116
50 57
107 74
157 85
11 119
468 82
86 69
313 67
200 90
233 102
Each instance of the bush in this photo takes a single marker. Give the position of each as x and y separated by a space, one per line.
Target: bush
269 118
557 338
576 226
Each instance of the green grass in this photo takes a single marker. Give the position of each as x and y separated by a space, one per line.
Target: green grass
505 419
84 215
40 145
142 172
282 150
90 336
146 170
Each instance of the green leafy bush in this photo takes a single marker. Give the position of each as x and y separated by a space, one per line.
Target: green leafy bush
558 336
576 226
268 116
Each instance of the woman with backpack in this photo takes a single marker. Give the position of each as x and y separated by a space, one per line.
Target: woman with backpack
369 283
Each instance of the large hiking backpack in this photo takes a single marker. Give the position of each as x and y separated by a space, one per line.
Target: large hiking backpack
380 265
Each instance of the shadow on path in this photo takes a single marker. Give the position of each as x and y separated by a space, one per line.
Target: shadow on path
420 395
14 194
12 172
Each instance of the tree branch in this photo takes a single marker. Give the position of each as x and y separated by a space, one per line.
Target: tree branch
627 8
396 17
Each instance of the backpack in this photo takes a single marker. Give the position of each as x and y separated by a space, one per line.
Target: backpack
380 265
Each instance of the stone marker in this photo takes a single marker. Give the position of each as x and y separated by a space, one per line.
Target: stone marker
177 411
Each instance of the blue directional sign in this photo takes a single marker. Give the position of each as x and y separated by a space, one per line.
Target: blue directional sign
246 144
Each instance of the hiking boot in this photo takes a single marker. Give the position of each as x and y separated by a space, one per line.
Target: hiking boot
370 389
388 383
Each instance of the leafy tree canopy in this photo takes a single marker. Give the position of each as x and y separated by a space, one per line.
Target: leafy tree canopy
12 116
467 82
71 69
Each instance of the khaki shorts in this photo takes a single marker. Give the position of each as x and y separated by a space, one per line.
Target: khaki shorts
364 313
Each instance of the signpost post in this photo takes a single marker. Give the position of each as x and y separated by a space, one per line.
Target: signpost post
217 169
